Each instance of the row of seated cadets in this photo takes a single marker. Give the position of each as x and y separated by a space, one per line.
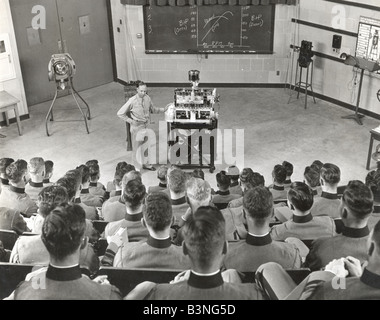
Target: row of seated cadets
325 204
72 181
86 197
27 180
157 219
31 249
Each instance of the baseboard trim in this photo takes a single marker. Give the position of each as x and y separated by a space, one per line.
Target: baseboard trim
13 120
340 103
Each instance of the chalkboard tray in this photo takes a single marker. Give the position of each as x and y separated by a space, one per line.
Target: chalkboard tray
209 29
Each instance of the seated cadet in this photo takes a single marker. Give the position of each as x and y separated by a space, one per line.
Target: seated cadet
198 173
289 171
312 179
372 181
355 209
49 167
36 168
113 185
198 194
31 250
15 197
251 180
114 208
279 177
222 197
177 189
86 197
4 253
258 247
302 225
235 187
4 180
206 246
157 251
96 188
49 198
11 219
64 240
134 195
73 181
362 284
161 176
328 203
114 194
342 279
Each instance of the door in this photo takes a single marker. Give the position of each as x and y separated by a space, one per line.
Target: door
85 32
89 46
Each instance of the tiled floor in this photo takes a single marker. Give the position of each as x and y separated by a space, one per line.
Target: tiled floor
273 131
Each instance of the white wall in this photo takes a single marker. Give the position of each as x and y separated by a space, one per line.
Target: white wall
14 86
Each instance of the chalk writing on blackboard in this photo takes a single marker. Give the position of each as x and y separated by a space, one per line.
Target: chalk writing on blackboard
214 29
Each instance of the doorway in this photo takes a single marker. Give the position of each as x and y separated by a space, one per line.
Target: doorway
78 27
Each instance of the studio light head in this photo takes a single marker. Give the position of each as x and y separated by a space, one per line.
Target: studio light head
61 67
306 53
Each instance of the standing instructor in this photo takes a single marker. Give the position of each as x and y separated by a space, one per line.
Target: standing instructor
136 111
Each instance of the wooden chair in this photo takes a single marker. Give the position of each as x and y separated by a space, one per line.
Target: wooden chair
11 274
274 223
308 242
339 225
99 225
8 238
127 279
100 247
284 201
297 275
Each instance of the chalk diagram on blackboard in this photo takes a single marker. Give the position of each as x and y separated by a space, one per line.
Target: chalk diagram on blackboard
210 29
213 23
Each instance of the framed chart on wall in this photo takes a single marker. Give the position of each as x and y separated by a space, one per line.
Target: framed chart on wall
367 46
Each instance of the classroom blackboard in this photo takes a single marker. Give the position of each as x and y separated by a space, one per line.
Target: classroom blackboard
209 29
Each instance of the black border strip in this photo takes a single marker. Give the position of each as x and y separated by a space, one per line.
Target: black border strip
320 26
3 124
356 4
265 85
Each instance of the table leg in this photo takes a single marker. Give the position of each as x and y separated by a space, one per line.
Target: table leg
18 121
369 152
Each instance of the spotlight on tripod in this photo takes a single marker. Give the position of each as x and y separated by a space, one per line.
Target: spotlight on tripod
61 68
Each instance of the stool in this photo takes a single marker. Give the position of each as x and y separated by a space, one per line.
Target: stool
308 83
8 103
374 136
